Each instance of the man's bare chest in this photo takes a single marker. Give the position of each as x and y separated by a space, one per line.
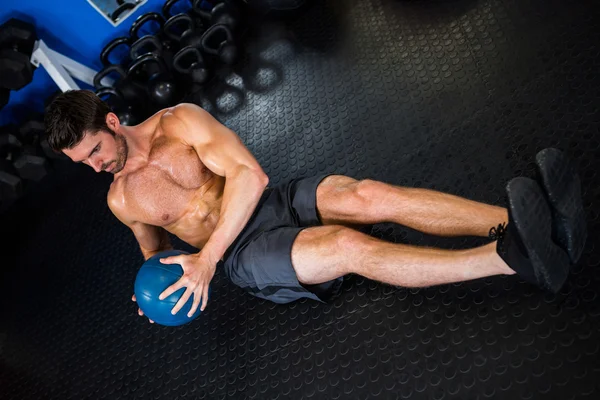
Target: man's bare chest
168 187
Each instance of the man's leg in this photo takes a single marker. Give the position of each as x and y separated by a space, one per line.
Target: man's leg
345 201
321 254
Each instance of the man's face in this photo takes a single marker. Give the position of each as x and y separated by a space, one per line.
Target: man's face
103 151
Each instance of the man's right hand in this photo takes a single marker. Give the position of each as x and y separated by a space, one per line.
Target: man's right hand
140 312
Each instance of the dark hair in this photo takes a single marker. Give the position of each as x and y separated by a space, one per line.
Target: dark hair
73 113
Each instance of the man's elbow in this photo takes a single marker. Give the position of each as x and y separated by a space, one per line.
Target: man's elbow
263 178
257 176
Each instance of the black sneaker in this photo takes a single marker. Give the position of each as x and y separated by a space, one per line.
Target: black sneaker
563 188
526 244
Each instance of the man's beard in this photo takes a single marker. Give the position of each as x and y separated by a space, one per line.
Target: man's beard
122 150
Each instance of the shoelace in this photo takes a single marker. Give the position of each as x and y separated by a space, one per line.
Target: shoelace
497 233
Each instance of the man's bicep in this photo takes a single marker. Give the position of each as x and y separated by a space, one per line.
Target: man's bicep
224 153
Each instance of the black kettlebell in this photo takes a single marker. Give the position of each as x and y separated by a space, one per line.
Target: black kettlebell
142 21
107 51
125 112
218 41
150 44
169 4
182 30
132 93
220 14
189 62
159 83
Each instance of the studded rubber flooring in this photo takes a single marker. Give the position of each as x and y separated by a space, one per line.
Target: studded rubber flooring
456 96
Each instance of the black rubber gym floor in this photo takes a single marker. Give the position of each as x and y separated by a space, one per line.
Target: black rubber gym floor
456 96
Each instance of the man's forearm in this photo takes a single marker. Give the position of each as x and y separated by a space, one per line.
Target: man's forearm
241 195
164 244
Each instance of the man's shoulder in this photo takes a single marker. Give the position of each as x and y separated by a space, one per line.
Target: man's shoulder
180 112
183 120
115 197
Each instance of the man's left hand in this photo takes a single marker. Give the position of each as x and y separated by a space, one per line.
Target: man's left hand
198 271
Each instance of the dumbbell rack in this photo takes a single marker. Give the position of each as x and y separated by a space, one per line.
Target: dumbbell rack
29 166
61 69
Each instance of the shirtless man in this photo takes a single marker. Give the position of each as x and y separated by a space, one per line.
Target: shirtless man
183 172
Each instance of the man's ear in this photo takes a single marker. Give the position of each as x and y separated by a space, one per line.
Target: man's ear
113 121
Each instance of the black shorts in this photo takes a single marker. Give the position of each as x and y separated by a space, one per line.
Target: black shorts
260 259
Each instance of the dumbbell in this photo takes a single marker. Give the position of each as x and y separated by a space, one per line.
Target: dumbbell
11 186
17 39
32 130
10 147
24 159
33 133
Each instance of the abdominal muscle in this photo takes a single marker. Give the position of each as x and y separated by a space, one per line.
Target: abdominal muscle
199 219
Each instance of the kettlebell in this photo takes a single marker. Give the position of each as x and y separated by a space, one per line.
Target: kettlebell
220 14
189 62
150 44
141 24
182 30
107 51
218 41
142 20
160 85
167 8
132 93
115 101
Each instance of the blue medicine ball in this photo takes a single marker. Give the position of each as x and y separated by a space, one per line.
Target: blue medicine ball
152 279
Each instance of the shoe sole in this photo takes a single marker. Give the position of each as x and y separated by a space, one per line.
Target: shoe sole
563 189
532 218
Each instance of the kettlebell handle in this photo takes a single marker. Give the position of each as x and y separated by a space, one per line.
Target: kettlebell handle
141 43
113 44
147 59
174 21
187 52
104 73
215 30
166 9
202 13
103 91
141 20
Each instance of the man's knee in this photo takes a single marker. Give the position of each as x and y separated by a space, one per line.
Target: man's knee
340 197
330 242
324 253
368 190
